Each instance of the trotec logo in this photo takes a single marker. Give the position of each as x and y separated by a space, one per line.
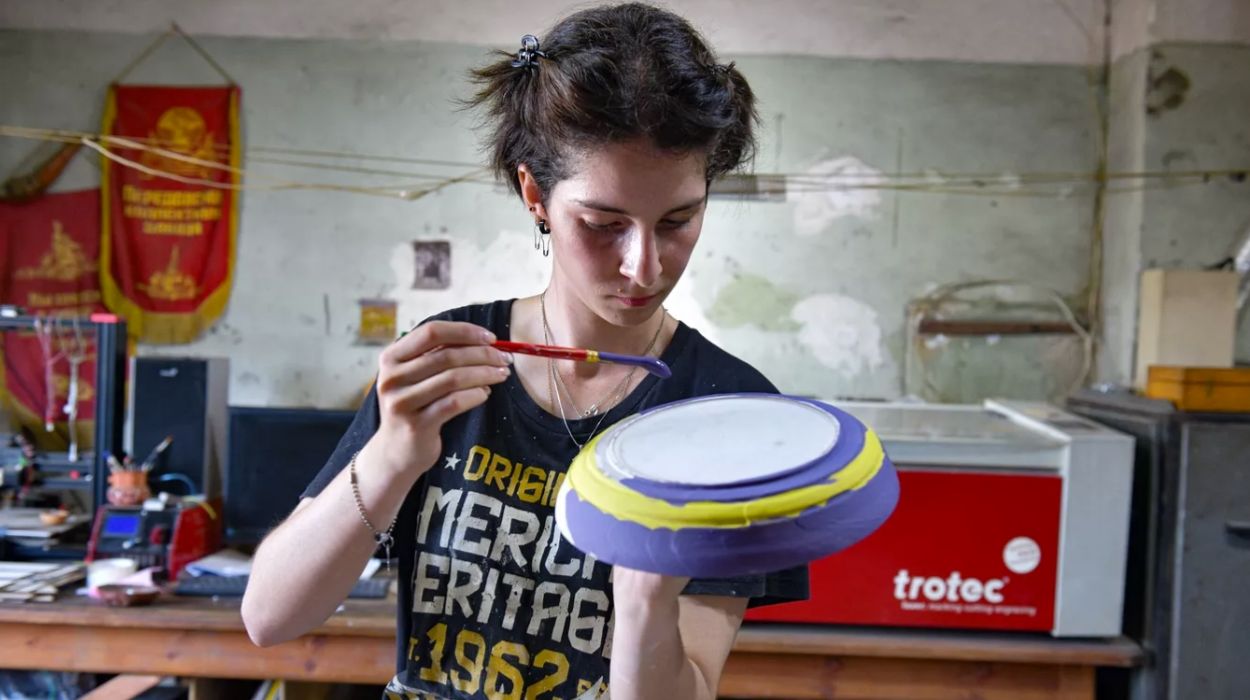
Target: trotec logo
954 588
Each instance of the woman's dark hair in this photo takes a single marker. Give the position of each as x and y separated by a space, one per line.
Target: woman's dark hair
611 74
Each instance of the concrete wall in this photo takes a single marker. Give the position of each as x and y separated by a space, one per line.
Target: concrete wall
810 289
1122 223
992 31
835 268
1198 225
1139 24
1180 93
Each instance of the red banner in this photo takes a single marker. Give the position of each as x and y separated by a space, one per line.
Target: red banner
169 217
50 267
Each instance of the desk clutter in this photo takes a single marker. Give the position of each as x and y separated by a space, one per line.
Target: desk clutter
38 523
205 483
225 574
121 582
234 586
34 481
167 533
36 582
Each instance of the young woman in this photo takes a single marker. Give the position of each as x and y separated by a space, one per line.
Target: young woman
609 129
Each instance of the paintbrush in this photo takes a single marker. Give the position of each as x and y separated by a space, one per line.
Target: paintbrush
653 365
147 464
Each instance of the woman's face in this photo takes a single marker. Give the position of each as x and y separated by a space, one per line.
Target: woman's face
623 227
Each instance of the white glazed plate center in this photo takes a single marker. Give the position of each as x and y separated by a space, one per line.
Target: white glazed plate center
720 441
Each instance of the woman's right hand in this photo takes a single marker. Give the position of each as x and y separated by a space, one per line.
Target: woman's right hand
432 374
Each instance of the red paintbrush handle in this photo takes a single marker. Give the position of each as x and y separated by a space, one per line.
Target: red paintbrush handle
552 351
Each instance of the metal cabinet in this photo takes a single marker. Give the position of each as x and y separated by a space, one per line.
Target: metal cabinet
1188 577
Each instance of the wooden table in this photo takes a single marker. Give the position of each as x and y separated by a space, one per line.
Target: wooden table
195 637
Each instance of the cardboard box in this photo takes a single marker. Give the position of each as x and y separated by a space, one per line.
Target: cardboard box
1185 318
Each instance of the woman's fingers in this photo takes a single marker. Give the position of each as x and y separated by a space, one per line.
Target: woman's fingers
417 370
431 335
438 371
453 404
414 398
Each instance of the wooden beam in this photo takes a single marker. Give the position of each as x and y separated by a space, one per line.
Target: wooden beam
936 326
212 654
937 645
205 639
123 687
357 659
851 678
363 617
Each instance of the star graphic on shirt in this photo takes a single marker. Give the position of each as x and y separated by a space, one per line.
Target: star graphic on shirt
452 461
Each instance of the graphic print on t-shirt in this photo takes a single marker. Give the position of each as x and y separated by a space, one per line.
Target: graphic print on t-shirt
502 606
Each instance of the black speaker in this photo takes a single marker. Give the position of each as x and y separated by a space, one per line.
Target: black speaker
184 398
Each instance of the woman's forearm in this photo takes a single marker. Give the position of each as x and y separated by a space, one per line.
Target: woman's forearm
307 565
649 659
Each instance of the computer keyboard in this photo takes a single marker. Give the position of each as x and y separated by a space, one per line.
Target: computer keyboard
228 586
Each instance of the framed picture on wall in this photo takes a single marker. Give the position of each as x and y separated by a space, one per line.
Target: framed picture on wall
377 321
431 264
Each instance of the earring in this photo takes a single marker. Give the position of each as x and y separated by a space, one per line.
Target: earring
542 237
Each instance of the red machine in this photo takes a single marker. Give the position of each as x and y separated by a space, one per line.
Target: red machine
170 537
1010 517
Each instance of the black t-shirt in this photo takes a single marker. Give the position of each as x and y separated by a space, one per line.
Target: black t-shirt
492 601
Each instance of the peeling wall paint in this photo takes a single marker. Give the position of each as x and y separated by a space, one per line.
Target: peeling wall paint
816 207
1166 87
753 299
844 334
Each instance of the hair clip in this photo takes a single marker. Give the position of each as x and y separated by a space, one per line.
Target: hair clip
529 54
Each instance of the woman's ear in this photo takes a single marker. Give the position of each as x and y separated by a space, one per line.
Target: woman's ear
531 194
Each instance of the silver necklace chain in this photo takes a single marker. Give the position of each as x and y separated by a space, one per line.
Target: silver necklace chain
618 390
559 381
565 421
553 377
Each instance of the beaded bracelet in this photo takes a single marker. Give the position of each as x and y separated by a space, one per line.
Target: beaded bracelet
383 539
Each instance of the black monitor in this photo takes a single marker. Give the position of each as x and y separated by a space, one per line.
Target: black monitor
274 454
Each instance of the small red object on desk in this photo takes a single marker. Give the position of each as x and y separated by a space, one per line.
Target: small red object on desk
169 538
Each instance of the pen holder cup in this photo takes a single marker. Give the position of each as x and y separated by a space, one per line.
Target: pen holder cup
128 488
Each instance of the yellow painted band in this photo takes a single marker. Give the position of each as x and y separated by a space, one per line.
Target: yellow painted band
624 503
592 355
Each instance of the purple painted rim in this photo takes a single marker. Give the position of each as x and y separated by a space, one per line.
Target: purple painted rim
850 443
725 552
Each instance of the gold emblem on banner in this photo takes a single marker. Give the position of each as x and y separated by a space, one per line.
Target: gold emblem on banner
170 284
183 131
65 260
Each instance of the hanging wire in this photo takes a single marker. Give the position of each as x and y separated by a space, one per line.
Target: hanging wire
174 30
406 191
925 306
1046 185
